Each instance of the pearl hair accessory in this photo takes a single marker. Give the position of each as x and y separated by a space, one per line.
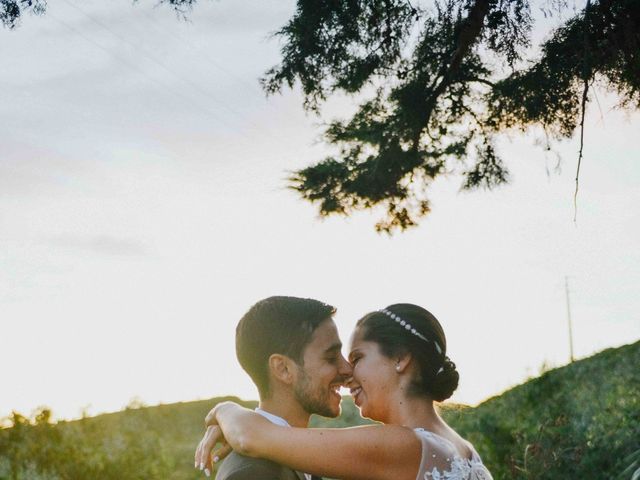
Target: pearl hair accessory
408 327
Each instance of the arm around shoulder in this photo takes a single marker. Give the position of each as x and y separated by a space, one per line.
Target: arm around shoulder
377 452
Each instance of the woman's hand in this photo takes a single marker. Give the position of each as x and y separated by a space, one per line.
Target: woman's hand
205 455
228 416
239 426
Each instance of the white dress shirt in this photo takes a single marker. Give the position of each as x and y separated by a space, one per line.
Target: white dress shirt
278 421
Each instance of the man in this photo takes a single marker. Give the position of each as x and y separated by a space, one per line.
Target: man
291 350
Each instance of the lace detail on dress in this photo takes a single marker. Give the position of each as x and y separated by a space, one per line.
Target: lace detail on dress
461 469
441 461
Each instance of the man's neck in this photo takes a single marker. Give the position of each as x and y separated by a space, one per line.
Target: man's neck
287 408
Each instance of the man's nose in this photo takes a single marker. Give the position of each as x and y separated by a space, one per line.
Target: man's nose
345 367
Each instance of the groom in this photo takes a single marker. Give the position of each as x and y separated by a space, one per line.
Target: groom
291 350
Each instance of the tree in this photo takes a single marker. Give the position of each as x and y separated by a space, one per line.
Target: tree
12 10
439 84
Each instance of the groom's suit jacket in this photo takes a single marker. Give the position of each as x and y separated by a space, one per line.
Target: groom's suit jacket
238 467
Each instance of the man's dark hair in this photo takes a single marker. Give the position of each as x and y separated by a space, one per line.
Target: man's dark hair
282 325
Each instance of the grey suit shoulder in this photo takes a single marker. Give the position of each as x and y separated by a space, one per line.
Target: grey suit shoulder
238 467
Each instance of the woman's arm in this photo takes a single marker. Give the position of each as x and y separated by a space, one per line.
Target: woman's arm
376 452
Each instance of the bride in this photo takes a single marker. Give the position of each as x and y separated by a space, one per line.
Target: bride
400 369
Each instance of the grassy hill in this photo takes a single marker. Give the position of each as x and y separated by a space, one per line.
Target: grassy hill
581 421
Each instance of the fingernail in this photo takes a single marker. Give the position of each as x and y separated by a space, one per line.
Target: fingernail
215 459
201 466
206 472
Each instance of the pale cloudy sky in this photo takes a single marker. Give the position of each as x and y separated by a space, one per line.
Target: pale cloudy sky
143 209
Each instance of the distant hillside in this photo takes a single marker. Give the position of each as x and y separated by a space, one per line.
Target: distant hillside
581 421
146 443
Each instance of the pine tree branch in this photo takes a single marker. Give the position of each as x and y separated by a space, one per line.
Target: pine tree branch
586 76
469 33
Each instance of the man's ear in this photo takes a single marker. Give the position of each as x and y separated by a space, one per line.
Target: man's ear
282 368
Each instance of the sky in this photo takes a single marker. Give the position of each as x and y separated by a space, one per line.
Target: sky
144 209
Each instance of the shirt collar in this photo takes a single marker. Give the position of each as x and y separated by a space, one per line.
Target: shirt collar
278 421
273 418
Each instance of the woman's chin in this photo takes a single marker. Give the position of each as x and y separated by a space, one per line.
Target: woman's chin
368 413
363 411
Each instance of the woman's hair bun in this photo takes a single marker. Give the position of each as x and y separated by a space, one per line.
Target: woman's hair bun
404 328
445 381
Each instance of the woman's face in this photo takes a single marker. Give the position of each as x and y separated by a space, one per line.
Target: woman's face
374 378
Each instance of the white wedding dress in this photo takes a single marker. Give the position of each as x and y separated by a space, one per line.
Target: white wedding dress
441 460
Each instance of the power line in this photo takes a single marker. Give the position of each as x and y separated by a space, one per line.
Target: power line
203 107
203 54
139 70
160 64
206 56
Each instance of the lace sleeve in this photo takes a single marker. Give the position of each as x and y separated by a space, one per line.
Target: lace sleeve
441 461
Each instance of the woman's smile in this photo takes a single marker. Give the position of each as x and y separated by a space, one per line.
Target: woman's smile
354 393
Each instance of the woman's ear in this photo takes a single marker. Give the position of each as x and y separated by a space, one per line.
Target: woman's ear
403 362
282 368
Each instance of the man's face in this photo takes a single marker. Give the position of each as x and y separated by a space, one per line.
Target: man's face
323 372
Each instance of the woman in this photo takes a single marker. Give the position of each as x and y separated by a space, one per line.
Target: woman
400 369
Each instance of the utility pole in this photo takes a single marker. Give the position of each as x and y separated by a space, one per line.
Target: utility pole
566 289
